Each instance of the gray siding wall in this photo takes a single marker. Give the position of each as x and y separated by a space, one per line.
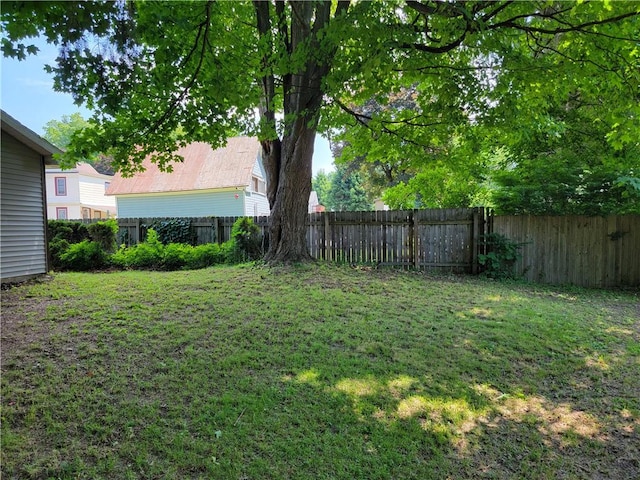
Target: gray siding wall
22 213
185 204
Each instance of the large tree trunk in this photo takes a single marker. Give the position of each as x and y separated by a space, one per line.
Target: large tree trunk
287 161
289 211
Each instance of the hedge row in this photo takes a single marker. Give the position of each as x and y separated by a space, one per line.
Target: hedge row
76 247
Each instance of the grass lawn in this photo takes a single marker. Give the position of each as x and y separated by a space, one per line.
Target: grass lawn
317 372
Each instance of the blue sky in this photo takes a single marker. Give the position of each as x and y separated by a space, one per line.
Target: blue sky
27 95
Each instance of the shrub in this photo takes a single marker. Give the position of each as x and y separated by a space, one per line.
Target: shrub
57 247
104 233
176 256
144 255
245 235
501 256
206 255
83 256
60 234
72 232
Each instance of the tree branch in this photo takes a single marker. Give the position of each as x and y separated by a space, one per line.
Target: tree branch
363 120
206 24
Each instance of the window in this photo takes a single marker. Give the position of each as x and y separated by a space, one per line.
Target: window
61 213
106 186
61 186
258 185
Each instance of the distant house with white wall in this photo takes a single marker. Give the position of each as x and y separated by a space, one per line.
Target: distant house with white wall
23 215
228 181
78 193
314 204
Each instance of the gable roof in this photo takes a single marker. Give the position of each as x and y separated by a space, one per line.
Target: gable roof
28 137
82 168
203 168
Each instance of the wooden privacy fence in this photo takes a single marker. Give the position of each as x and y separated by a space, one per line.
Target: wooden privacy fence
578 250
423 239
205 229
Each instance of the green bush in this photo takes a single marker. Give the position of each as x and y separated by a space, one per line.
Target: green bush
144 255
72 232
83 256
61 234
245 235
104 233
57 247
501 256
205 255
176 256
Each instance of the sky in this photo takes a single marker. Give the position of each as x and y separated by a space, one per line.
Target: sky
27 95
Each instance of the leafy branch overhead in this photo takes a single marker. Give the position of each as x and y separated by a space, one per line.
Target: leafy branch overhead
160 74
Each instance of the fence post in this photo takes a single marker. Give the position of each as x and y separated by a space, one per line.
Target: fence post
415 235
327 236
475 239
216 229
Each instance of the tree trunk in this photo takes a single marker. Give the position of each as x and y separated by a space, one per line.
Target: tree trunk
290 209
288 161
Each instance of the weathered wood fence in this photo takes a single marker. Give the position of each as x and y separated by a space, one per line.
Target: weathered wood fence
422 239
578 250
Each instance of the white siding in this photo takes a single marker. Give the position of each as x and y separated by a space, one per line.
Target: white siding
257 205
73 190
184 204
92 193
22 224
258 169
82 191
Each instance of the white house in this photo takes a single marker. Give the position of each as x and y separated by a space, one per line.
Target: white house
228 181
78 193
23 216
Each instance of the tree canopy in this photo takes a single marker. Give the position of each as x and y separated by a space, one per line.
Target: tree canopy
161 74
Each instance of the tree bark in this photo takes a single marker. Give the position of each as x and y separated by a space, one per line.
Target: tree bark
288 160
289 212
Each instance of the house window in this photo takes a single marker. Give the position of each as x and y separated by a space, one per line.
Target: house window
106 186
61 186
61 213
258 185
86 213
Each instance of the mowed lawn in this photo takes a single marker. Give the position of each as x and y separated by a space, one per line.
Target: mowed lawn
317 372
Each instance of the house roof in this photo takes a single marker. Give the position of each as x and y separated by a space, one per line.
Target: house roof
203 168
82 168
28 137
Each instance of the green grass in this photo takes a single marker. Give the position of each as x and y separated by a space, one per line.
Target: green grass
317 372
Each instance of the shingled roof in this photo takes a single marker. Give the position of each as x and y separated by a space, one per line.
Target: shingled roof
203 168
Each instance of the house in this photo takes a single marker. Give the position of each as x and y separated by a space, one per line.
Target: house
78 193
314 204
23 215
228 181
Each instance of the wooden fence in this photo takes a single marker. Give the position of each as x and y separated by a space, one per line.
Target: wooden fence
423 239
578 250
